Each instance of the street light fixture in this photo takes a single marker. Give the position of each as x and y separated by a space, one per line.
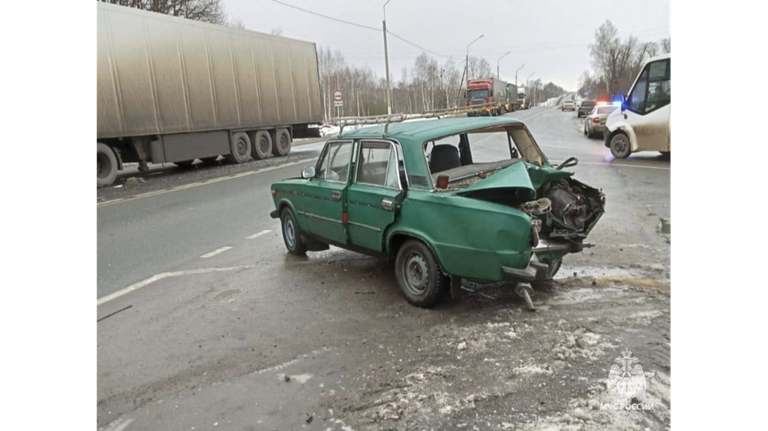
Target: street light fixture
498 74
386 60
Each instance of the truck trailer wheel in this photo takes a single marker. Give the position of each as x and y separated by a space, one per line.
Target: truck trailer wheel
282 144
261 145
240 147
106 165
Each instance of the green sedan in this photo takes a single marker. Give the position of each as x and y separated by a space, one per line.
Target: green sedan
445 199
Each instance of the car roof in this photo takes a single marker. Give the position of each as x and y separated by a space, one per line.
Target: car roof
418 132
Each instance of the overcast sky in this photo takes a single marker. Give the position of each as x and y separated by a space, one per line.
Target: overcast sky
550 37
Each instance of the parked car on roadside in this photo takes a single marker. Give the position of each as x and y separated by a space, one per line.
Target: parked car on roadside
568 104
585 107
643 122
425 195
594 124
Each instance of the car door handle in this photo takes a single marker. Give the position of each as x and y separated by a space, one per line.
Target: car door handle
335 195
386 204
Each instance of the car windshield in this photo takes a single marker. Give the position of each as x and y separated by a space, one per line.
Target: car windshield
587 104
477 94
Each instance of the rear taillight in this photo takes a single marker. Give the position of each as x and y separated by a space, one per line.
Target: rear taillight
596 120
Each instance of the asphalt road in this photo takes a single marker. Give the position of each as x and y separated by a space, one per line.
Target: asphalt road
203 312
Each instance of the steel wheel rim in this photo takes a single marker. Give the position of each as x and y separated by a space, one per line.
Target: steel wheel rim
263 145
102 161
415 274
290 232
242 148
283 143
620 144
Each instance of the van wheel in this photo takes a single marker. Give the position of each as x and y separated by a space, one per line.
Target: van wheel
262 145
620 146
282 144
419 276
106 165
240 147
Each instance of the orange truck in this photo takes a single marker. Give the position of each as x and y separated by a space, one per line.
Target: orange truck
491 90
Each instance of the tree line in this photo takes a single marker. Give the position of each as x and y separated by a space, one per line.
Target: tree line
616 62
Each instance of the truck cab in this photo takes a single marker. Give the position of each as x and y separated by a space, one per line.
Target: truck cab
483 91
643 122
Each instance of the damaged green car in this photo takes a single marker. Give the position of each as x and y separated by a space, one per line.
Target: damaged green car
447 199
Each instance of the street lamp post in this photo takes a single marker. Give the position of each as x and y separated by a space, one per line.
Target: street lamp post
386 60
518 69
498 73
466 65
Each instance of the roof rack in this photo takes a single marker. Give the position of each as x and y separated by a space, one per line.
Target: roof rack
399 118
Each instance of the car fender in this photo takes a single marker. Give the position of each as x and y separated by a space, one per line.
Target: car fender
285 202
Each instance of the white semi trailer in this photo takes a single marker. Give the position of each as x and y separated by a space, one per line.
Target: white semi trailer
177 90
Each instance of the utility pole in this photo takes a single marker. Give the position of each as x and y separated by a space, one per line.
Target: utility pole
518 69
498 74
386 60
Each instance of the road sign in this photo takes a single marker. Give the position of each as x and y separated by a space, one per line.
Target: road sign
337 99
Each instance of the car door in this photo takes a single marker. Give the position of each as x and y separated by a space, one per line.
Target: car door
647 109
323 199
374 196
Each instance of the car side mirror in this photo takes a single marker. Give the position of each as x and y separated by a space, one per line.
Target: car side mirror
308 172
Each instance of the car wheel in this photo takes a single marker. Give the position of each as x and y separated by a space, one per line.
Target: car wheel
292 233
620 146
418 275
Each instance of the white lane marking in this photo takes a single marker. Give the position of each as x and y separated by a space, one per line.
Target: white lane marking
118 425
215 252
256 235
156 277
202 183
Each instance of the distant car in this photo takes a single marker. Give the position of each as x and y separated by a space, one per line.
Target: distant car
586 107
568 104
595 122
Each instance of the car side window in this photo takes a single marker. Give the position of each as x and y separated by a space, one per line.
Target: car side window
334 165
378 164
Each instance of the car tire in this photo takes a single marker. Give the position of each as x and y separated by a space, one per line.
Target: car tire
620 147
261 145
282 143
106 165
585 130
292 233
240 147
419 275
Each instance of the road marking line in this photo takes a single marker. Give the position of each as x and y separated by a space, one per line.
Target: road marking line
202 183
256 235
118 425
215 252
156 277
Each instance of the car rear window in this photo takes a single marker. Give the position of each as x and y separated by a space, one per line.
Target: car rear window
606 109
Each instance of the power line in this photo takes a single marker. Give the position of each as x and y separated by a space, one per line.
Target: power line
327 17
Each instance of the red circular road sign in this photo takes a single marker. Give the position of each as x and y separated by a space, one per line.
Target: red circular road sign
337 95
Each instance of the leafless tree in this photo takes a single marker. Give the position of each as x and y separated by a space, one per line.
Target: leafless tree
200 10
666 45
236 23
276 31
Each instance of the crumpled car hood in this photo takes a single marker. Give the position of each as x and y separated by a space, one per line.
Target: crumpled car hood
512 177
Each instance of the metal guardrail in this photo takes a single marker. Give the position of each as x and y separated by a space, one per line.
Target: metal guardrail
399 118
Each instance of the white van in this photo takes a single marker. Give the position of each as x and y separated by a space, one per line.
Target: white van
643 122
